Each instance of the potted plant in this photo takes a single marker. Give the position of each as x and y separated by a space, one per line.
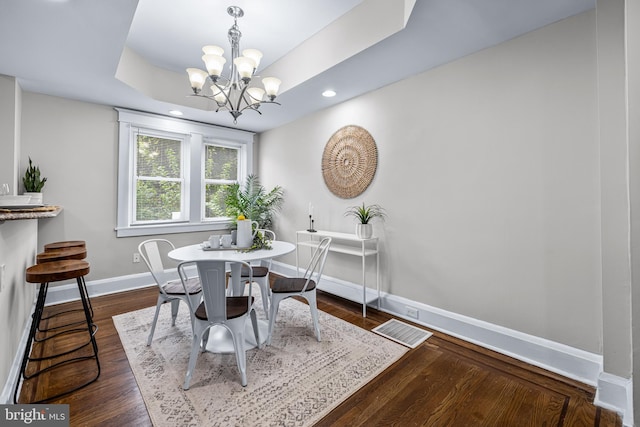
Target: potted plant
33 183
364 214
252 201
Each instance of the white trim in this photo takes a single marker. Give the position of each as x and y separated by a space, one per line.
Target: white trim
614 393
556 357
152 230
192 135
69 292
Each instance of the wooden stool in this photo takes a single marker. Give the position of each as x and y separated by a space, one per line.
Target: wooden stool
65 244
45 273
71 252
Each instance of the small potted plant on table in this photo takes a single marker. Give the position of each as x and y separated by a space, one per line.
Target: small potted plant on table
33 183
364 214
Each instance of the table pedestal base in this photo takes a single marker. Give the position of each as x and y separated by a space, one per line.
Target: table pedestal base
220 340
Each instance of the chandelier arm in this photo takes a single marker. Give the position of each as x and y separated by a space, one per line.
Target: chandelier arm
255 107
241 98
221 89
252 109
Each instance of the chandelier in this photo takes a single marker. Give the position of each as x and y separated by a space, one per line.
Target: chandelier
233 93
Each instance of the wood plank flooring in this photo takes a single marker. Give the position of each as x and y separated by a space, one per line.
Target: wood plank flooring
442 382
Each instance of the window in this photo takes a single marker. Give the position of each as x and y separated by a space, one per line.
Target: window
159 190
220 169
172 173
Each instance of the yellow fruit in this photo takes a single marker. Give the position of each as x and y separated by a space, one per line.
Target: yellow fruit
241 218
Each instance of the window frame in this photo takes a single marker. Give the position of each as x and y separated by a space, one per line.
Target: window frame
196 136
241 175
184 167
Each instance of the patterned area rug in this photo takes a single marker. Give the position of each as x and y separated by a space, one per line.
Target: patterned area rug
293 382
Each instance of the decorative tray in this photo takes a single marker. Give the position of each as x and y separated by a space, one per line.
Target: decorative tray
231 248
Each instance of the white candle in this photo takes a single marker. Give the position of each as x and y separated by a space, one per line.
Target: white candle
310 209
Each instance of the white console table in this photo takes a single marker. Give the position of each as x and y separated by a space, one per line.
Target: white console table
349 244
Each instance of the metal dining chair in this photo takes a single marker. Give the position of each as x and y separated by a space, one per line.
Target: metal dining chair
261 274
169 290
217 308
304 286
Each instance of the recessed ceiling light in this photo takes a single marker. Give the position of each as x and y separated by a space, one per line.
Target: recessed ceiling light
329 93
175 112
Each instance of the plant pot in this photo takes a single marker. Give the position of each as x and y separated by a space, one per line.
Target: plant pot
36 198
364 231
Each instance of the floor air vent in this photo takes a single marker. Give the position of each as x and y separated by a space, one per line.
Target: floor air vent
402 333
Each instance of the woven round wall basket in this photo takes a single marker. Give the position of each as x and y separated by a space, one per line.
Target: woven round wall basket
349 161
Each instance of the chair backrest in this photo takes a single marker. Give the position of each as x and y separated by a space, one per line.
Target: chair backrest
214 286
316 264
152 251
268 234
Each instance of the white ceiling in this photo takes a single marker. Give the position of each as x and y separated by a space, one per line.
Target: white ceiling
73 48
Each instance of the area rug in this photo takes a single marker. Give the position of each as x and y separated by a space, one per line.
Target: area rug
293 382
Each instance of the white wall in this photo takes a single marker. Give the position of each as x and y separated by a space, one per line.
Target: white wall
76 146
632 21
10 100
17 252
489 171
614 172
17 238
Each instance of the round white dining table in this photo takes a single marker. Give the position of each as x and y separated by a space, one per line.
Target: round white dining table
220 340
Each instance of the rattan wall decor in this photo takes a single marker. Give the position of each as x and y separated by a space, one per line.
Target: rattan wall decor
349 161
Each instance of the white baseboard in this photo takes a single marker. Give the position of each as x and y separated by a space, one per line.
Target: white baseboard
613 392
69 292
616 393
567 361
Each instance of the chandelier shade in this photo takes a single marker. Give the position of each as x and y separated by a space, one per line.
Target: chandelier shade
238 90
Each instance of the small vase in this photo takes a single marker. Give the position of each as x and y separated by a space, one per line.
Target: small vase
364 231
36 198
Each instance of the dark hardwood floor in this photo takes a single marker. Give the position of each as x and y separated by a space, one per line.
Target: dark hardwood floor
443 382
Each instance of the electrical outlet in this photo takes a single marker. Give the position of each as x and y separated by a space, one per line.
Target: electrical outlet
412 312
136 257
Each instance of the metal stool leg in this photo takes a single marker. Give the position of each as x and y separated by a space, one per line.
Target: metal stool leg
37 313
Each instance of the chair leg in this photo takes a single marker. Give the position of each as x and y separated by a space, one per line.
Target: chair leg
237 332
263 282
256 330
313 306
155 320
193 357
195 302
175 305
275 303
205 340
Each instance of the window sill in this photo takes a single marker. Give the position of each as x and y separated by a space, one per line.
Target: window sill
148 230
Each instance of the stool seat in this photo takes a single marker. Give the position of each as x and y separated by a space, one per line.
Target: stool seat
76 252
43 274
65 244
56 271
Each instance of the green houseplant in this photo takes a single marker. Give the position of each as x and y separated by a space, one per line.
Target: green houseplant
364 214
251 200
33 182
